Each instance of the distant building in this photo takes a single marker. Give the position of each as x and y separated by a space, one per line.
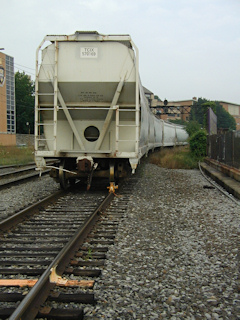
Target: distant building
234 110
179 109
149 95
7 101
169 110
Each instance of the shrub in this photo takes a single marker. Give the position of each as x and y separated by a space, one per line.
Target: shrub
192 127
198 143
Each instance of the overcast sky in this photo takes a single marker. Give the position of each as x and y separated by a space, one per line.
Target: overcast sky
188 48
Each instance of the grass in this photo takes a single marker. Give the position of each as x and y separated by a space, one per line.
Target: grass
174 158
16 155
171 158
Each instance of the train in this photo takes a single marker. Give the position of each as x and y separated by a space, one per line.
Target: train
91 112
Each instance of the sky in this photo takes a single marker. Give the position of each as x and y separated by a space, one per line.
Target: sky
187 48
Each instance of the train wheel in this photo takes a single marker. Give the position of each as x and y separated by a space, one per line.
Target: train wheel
62 175
111 171
72 182
112 188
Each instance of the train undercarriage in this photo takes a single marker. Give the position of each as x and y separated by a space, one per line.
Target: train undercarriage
69 170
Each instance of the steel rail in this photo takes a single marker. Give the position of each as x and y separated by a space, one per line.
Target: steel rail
21 215
29 306
21 179
3 175
216 185
9 166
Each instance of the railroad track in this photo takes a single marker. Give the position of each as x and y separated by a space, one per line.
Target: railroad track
12 175
60 251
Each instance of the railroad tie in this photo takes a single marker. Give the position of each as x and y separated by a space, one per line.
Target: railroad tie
32 282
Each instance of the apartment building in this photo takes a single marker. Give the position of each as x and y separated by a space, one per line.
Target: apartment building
7 101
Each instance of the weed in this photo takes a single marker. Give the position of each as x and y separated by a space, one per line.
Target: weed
174 158
89 255
16 155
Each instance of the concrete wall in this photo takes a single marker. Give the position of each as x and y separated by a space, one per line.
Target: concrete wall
25 139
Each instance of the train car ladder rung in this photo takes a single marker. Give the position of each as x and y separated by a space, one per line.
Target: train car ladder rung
120 140
126 125
46 94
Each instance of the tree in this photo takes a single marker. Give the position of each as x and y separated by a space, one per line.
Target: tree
24 94
192 127
178 121
224 119
199 111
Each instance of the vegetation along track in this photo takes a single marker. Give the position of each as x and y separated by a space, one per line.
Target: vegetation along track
63 248
12 175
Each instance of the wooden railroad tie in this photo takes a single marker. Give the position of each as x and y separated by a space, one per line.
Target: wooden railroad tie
32 282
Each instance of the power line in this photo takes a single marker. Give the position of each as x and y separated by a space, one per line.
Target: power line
27 72
17 64
23 66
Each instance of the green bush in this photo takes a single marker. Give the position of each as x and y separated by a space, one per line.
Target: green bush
192 127
198 144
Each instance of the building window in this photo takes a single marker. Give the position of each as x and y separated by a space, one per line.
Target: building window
10 85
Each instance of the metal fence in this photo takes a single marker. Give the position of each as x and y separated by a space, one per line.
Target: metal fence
225 148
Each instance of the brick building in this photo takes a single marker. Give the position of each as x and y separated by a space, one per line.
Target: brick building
181 109
7 101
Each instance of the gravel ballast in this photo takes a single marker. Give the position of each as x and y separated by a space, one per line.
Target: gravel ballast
176 254
16 198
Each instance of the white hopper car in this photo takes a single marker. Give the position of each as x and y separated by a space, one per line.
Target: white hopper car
91 114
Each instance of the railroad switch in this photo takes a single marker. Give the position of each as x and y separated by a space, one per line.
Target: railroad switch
59 281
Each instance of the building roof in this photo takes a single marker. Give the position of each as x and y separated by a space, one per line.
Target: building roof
234 104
